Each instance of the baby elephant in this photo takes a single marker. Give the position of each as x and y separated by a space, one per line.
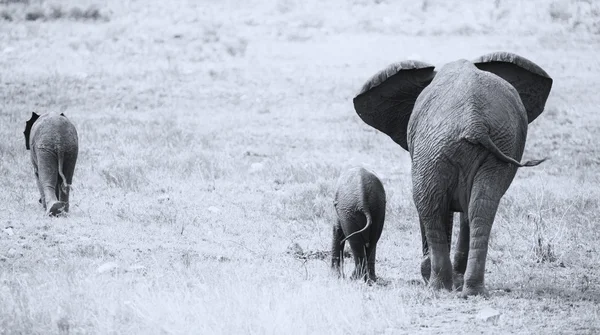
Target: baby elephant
53 142
360 206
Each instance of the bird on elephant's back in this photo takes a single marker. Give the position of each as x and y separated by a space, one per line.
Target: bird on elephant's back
465 128
53 142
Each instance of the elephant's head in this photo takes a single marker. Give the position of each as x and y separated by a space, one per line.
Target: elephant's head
386 101
28 125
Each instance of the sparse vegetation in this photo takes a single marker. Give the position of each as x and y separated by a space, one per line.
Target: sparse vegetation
35 14
5 15
23 10
211 137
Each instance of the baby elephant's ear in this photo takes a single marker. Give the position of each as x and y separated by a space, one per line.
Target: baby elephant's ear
530 80
386 101
28 126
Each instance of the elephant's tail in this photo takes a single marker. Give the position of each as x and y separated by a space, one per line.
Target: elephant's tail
369 221
64 184
487 142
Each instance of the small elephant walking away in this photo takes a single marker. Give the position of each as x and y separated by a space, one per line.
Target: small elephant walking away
360 206
465 128
53 142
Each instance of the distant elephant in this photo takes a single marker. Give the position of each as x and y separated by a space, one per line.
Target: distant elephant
360 206
465 129
53 142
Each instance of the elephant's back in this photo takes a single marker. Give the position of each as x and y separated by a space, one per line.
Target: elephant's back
359 194
461 102
375 193
358 188
56 132
437 118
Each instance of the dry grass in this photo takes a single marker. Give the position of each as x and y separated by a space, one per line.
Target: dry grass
25 10
211 135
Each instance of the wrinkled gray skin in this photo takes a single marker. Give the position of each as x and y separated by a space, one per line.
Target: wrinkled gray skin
360 206
466 135
53 142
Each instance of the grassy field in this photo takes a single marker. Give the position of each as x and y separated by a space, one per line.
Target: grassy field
211 135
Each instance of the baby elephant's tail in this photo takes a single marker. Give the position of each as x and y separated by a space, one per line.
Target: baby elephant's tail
64 186
369 220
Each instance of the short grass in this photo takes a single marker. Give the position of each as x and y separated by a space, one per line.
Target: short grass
211 135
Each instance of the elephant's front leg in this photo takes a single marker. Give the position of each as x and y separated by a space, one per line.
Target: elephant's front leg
437 239
461 254
337 248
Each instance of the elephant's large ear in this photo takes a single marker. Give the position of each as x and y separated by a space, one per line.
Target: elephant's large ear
28 126
530 80
386 101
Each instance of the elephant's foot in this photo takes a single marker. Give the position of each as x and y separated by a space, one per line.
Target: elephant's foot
371 279
426 269
473 291
440 272
336 271
56 208
383 282
440 280
457 281
336 262
439 283
360 274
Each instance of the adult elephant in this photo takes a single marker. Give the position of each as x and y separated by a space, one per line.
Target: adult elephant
54 146
465 128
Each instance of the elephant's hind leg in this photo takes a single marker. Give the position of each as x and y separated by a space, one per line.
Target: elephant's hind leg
337 248
426 261
461 254
489 186
371 253
360 258
48 177
41 189
37 177
436 232
436 267
64 187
